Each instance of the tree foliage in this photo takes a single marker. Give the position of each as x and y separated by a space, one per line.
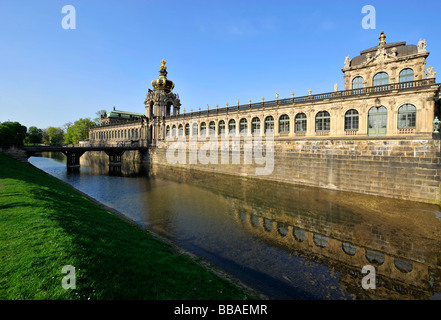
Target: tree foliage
78 131
12 134
35 135
54 135
100 114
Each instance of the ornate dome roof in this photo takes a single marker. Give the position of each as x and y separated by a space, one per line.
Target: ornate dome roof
162 83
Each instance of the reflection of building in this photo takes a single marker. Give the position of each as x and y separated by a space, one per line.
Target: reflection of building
334 230
400 275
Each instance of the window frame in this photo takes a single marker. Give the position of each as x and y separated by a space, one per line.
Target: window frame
406 119
284 122
323 120
352 118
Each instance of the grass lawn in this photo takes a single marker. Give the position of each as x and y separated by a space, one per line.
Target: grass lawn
46 225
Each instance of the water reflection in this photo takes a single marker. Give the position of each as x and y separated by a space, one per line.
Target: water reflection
290 242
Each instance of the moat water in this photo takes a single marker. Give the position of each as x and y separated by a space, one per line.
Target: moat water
289 242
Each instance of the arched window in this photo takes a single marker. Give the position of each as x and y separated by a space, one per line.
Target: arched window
125 134
323 121
255 125
377 121
269 124
211 128
282 228
255 221
407 116
243 126
174 131
349 248
187 129
167 131
375 256
232 127
221 127
357 83
284 124
403 265
203 129
136 133
351 120
406 75
181 130
299 234
267 224
195 129
320 241
133 133
380 79
300 122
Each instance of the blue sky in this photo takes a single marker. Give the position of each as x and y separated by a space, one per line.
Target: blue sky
216 51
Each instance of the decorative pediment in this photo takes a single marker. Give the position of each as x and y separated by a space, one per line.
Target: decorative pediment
381 56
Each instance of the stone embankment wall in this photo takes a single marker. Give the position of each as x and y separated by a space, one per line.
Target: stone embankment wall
15 153
403 168
131 155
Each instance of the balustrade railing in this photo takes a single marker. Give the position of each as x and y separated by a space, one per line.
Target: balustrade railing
317 97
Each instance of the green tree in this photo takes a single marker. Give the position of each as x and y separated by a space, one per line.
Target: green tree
12 134
35 135
100 114
7 137
78 131
54 135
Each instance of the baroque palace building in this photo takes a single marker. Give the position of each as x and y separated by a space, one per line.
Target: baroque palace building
383 125
387 93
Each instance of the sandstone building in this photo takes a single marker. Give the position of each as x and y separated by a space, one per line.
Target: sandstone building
357 139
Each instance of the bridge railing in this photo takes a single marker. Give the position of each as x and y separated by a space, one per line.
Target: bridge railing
317 97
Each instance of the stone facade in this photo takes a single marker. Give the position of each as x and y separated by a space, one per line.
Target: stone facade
397 168
120 133
360 139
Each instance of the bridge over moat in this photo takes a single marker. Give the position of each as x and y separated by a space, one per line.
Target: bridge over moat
73 154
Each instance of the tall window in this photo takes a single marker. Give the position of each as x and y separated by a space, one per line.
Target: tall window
357 83
232 127
243 126
377 121
195 129
351 120
221 127
284 124
323 121
255 125
203 129
380 79
212 128
181 130
407 116
269 124
406 75
300 122
187 129
174 131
